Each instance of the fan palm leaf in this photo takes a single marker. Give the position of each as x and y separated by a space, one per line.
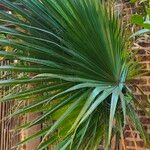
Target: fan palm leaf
74 53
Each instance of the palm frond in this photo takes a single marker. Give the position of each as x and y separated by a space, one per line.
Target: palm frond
75 55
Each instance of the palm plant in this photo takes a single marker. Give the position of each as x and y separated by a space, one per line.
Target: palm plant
78 71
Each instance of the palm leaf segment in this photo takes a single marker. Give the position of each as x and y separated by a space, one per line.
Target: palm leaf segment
75 50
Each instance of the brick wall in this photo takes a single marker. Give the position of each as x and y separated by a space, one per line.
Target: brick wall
8 138
132 138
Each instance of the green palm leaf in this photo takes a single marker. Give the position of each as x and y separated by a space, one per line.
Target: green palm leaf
74 53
